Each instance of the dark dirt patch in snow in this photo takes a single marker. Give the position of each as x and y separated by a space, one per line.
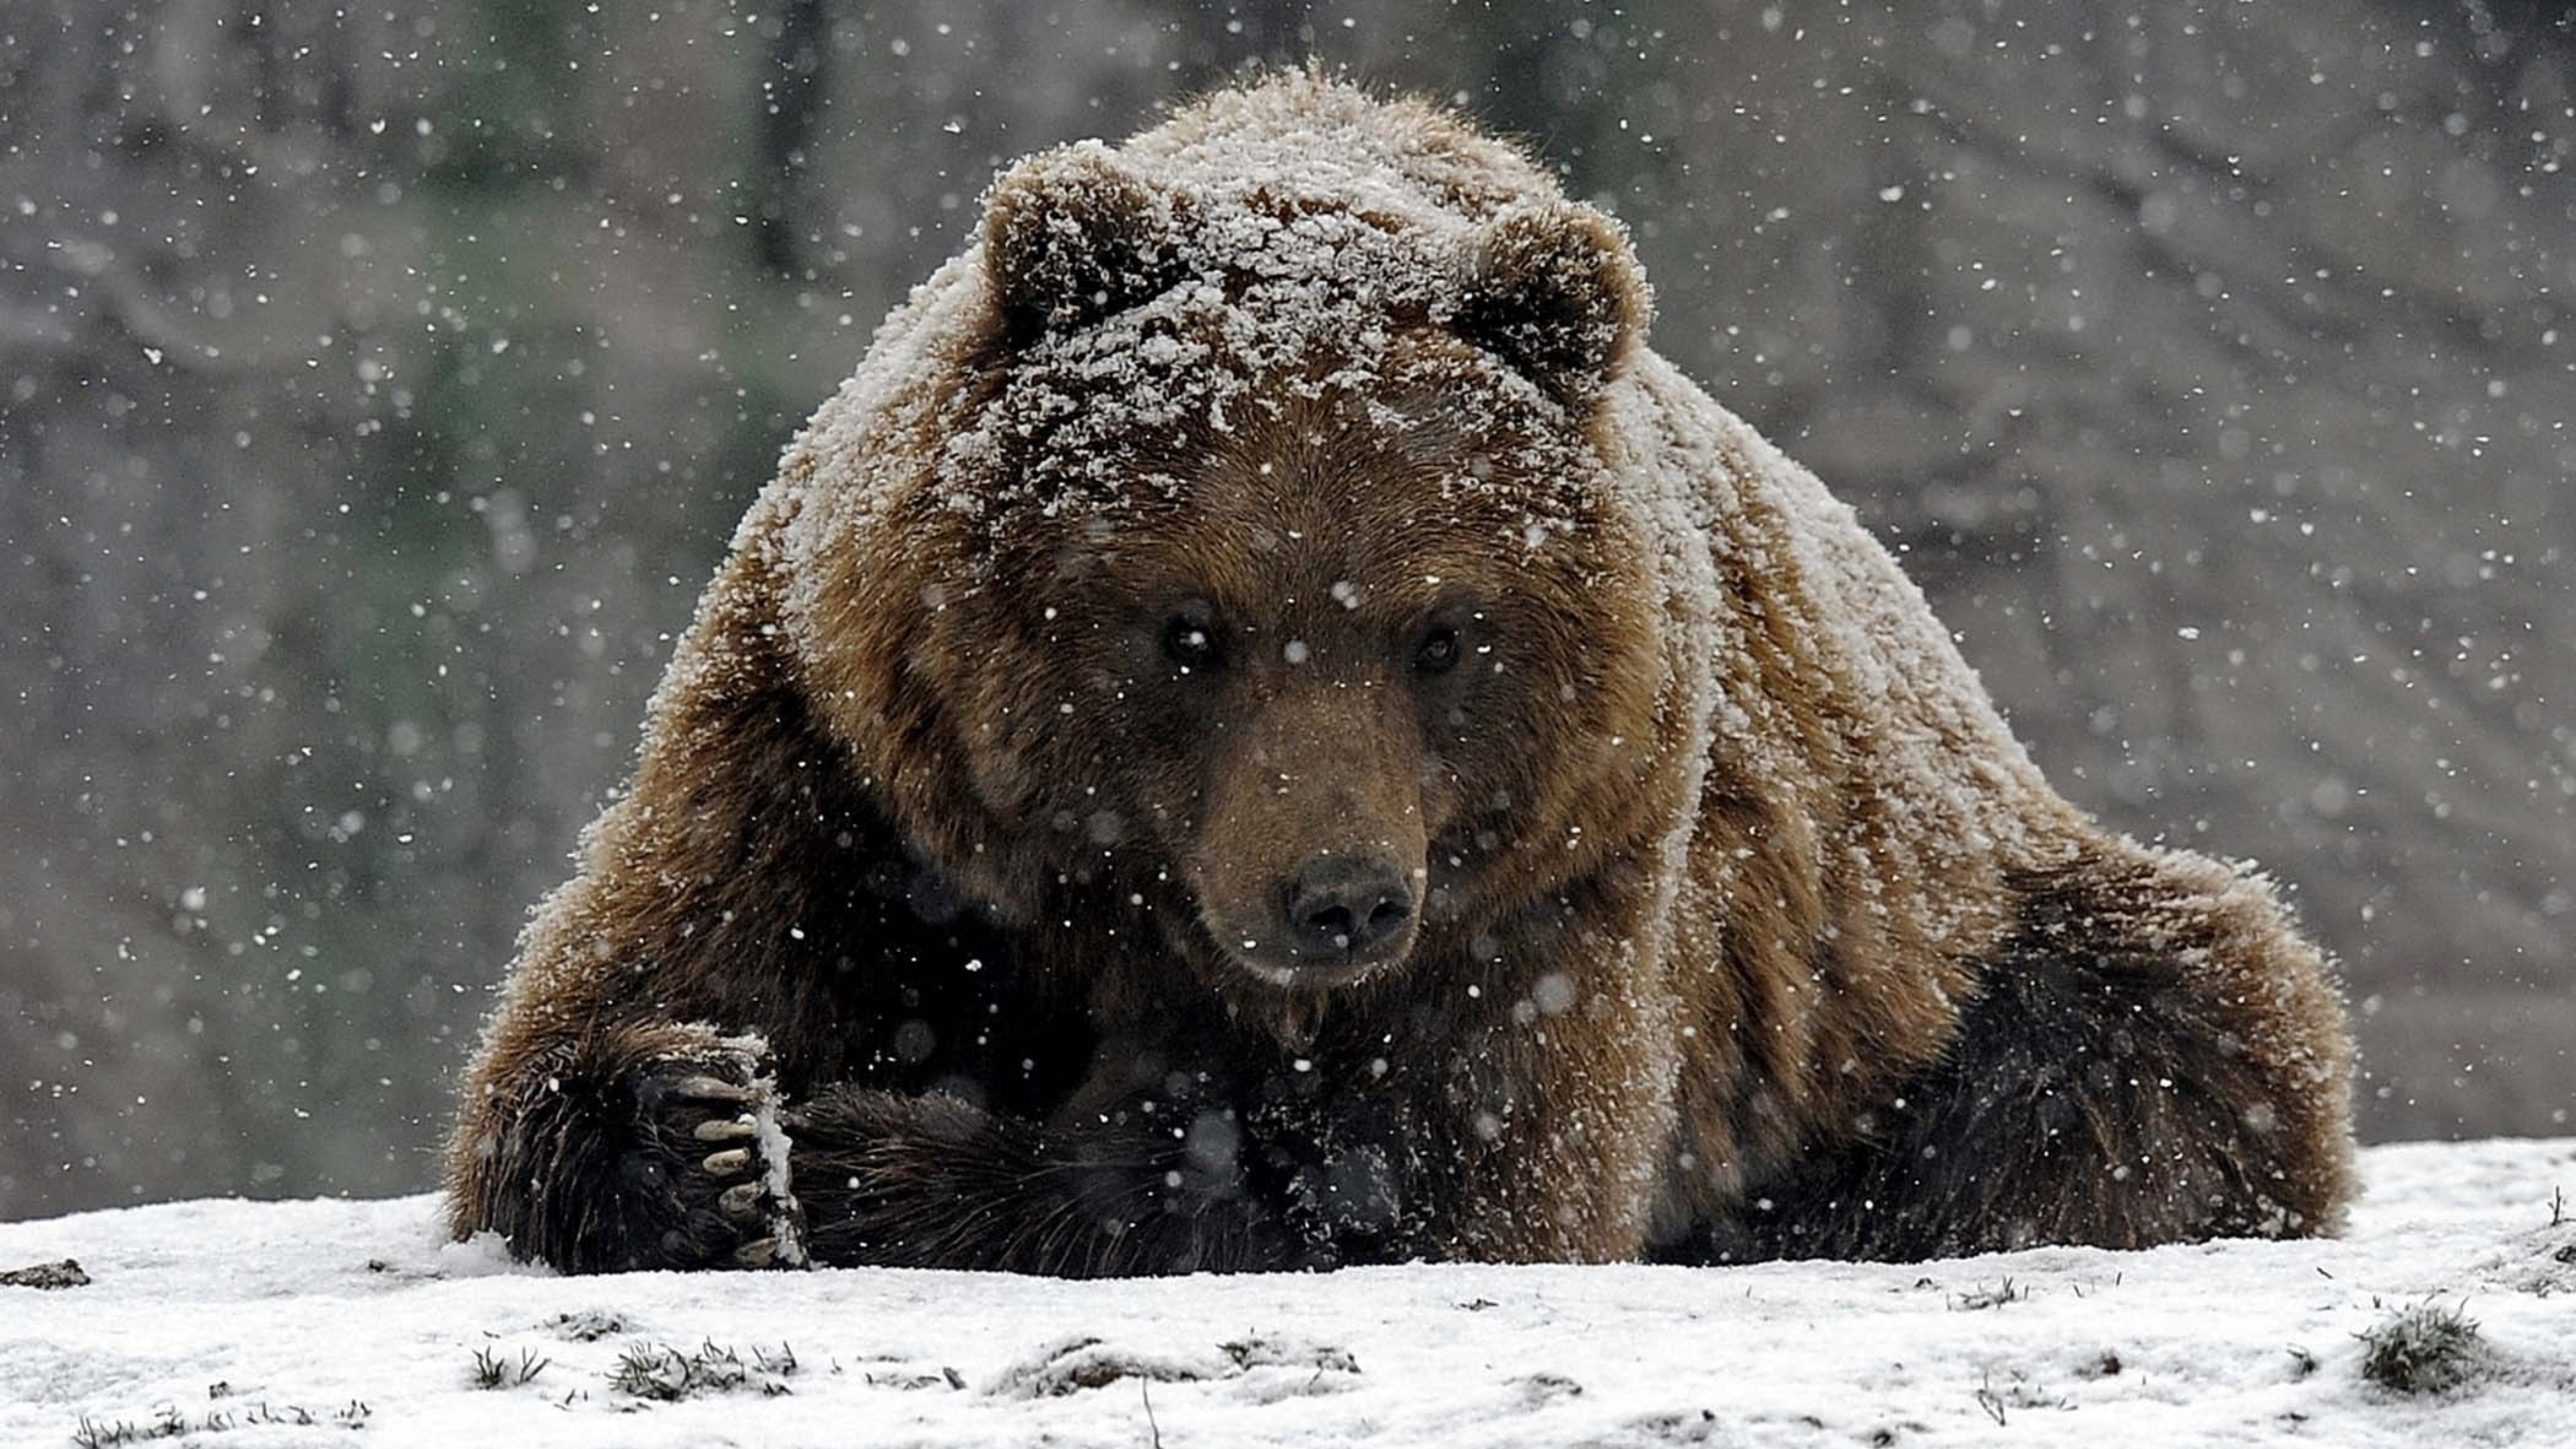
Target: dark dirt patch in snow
65 1274
590 1325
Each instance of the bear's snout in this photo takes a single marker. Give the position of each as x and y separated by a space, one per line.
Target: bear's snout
1309 862
1347 911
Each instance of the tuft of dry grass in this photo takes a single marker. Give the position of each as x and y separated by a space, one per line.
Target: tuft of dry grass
1983 1297
2423 1350
169 1423
668 1375
491 1371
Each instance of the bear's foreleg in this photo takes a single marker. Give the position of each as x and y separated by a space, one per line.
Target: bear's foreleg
930 1181
2153 1056
634 1146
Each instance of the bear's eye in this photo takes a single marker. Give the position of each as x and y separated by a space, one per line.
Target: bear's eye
1438 651
1191 642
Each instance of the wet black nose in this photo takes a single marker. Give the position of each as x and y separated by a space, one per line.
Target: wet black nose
1346 908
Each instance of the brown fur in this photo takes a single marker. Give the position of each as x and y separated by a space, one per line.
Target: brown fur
1731 921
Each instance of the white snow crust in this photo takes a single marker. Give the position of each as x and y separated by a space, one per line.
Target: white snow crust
260 1313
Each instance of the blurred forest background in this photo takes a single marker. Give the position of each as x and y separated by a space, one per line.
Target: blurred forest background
379 383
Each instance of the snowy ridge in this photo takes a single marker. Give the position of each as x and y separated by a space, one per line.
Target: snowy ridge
239 1320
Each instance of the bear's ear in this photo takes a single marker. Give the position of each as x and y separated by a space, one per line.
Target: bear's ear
1555 290
1072 236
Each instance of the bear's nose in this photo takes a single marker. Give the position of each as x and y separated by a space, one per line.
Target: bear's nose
1347 908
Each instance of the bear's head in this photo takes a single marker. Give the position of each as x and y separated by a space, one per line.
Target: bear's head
1267 572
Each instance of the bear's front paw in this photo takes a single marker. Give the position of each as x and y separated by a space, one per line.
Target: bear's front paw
711 1150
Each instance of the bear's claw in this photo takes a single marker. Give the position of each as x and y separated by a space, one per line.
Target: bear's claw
703 1152
711 1089
743 1201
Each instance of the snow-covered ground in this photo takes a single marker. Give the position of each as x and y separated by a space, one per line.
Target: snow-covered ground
241 1322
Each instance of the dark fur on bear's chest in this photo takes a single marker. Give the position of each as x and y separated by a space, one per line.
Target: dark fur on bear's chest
1304 1142
927 994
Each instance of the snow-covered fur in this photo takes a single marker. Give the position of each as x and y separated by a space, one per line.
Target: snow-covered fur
1265 727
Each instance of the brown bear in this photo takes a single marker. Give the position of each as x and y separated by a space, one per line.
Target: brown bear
1264 728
